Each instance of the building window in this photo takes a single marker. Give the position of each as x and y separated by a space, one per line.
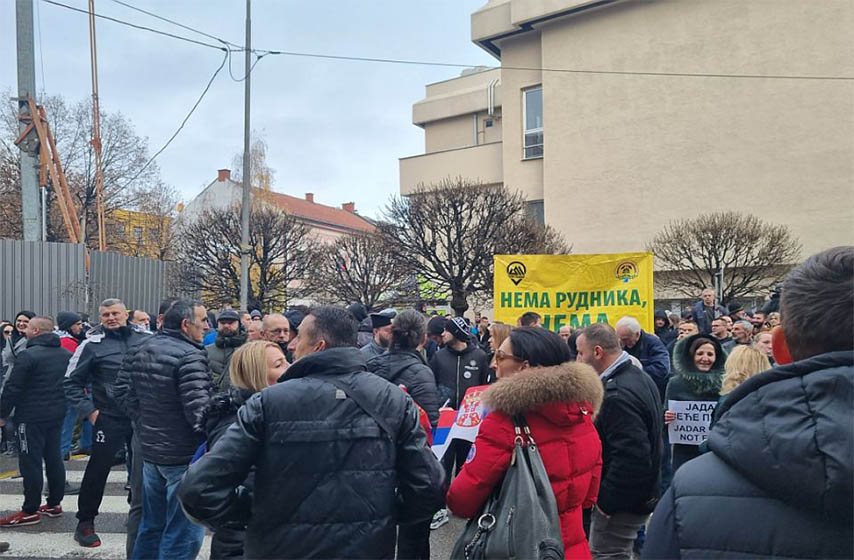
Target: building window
536 211
532 108
137 234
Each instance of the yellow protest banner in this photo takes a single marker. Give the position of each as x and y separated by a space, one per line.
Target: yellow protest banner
574 290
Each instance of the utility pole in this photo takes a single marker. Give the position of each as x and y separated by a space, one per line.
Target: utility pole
96 133
30 206
247 172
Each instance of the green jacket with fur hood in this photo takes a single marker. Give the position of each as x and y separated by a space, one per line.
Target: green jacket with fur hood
690 384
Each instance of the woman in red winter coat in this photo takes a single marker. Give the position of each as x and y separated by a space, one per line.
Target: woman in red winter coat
559 400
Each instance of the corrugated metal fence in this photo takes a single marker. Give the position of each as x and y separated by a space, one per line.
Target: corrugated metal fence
41 277
51 277
136 281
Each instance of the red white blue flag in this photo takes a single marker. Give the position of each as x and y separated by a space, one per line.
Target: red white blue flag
460 424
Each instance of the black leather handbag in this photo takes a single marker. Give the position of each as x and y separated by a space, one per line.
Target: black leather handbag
520 520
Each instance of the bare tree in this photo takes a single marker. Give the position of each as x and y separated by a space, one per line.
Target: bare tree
263 176
125 154
448 233
153 214
752 254
283 258
359 267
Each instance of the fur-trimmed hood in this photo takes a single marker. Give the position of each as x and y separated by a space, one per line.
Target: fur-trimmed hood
529 390
701 383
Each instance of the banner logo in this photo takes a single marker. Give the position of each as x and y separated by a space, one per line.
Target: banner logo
627 270
516 272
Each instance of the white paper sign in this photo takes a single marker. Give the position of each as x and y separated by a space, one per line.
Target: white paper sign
691 426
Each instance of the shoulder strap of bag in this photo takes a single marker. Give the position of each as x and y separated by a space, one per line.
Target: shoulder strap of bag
522 430
383 423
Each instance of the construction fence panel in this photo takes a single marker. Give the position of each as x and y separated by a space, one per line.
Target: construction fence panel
44 278
137 281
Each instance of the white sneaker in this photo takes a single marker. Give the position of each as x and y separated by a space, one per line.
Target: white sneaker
439 519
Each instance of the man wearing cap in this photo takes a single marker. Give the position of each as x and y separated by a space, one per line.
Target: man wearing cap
231 334
294 317
435 329
381 323
256 315
461 364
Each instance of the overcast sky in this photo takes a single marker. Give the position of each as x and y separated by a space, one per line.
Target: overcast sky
334 128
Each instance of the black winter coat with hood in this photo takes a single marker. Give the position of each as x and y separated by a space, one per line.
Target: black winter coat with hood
778 480
34 388
408 368
165 387
458 370
97 362
331 480
690 384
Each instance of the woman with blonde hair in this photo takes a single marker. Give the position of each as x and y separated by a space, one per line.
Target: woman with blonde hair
498 332
743 363
254 366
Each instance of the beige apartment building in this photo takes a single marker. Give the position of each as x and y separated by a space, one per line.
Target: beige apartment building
615 116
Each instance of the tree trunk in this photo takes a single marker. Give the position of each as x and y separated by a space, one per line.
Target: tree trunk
458 302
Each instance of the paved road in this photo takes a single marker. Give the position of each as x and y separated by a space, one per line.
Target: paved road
53 538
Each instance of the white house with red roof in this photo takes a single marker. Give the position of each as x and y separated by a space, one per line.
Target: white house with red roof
327 222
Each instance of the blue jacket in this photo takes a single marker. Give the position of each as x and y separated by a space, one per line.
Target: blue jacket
703 320
654 358
778 480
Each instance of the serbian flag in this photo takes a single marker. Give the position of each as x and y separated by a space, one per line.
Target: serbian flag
460 424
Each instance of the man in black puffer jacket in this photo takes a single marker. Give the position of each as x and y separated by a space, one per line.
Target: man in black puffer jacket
96 363
170 385
404 365
778 480
339 454
35 391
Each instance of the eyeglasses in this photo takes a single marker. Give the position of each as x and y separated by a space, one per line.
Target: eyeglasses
277 332
7 332
500 356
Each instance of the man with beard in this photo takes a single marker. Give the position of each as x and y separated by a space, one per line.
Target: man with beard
230 336
381 323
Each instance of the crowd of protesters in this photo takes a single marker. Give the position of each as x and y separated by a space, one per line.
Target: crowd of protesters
306 434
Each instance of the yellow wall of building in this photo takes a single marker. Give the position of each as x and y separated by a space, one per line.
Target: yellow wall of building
522 51
633 152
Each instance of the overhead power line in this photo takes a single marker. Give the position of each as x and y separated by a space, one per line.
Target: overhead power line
227 45
137 26
181 127
564 70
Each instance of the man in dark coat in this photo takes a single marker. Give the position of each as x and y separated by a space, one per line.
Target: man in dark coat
647 348
404 365
629 424
97 362
230 336
663 330
778 480
35 391
339 454
707 309
381 324
166 386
